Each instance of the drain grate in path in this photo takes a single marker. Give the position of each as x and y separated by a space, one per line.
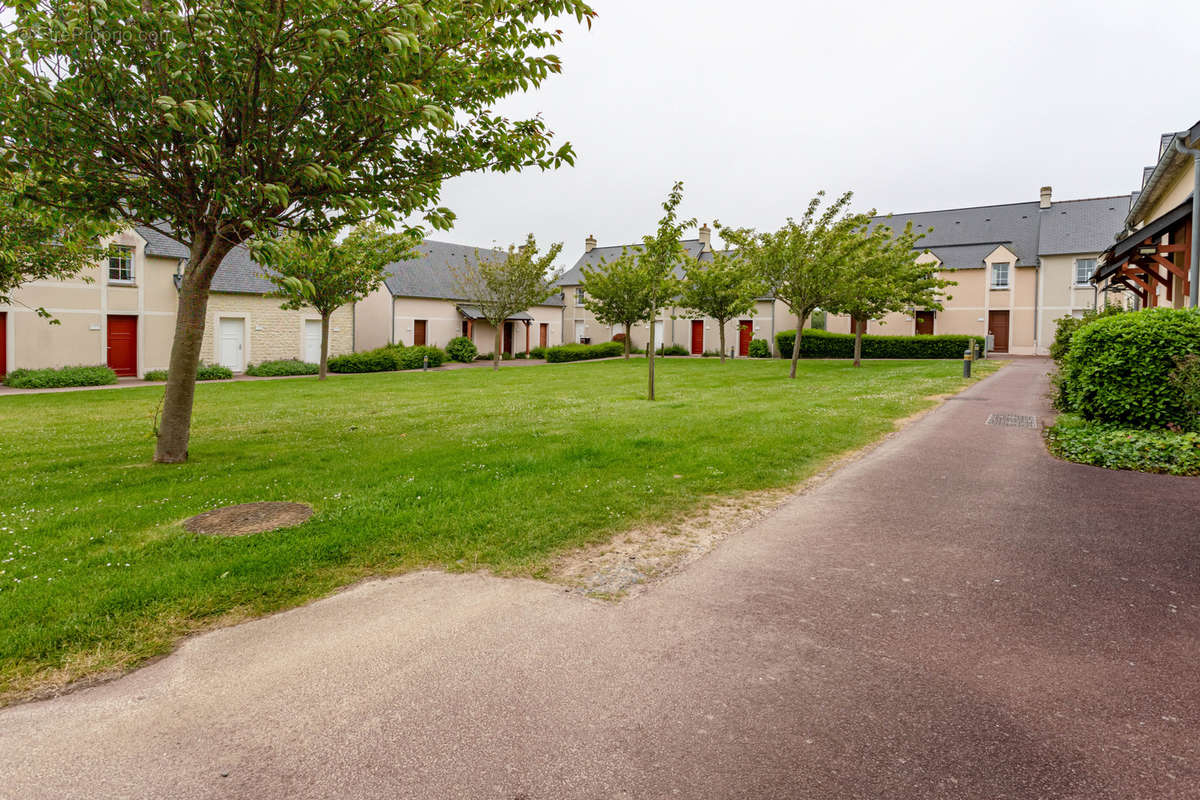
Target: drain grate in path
1012 421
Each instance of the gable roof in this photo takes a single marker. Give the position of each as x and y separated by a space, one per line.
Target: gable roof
1155 179
428 275
1082 226
238 273
574 276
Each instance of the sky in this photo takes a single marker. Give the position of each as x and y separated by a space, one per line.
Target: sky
757 104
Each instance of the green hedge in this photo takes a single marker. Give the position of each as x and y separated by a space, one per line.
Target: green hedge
822 344
583 352
537 352
1114 447
388 358
462 350
286 366
203 373
760 348
1119 368
674 350
60 378
1066 327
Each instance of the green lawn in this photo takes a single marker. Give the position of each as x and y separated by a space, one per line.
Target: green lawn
457 469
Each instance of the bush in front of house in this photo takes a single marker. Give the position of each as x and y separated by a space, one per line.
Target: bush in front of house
760 348
60 378
213 372
822 344
583 352
1111 446
1066 327
537 352
381 359
285 366
462 350
674 350
414 357
1119 368
154 375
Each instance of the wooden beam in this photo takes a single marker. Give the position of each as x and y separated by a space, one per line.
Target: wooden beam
1121 279
1171 266
1130 272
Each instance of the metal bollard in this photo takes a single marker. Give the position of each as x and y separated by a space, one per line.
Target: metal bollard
425 365
968 356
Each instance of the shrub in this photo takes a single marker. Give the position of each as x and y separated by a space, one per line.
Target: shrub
1186 379
537 352
155 375
583 352
383 359
60 378
414 357
822 344
759 348
674 350
1118 368
1114 447
522 355
484 357
1065 328
461 349
286 366
213 372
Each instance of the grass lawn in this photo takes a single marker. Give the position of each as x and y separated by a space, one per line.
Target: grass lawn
457 469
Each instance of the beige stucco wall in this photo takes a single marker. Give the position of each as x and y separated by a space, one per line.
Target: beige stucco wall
373 320
270 332
443 322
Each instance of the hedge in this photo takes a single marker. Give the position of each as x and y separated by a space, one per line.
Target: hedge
1119 368
583 352
822 344
286 366
214 372
60 378
388 358
1115 447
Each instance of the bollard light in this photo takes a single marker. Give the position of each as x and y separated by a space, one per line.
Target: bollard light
968 356
425 365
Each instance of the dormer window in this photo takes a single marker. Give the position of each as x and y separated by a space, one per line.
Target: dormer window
1000 275
120 264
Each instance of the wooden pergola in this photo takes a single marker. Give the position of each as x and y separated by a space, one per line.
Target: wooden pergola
1142 261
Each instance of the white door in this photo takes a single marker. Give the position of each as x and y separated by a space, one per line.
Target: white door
579 330
659 329
232 352
312 341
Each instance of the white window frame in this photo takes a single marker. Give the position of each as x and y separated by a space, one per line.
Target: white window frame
1086 281
1007 266
580 296
123 255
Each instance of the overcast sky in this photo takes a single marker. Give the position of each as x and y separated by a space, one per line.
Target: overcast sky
757 104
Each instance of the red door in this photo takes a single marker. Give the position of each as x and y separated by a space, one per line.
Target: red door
508 338
122 344
998 328
544 335
697 337
924 323
418 332
745 332
3 343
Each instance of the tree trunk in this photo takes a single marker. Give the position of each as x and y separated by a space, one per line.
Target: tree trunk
499 344
324 371
721 325
628 341
860 325
650 356
796 345
176 422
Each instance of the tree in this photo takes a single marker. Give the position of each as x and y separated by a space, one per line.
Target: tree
38 243
724 288
801 262
215 122
503 287
883 277
616 292
662 256
317 271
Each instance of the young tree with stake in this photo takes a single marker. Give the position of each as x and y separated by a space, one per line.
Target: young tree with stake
324 274
617 293
501 287
215 122
724 289
662 256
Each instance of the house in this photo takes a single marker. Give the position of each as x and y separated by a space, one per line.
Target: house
1019 268
1157 252
420 304
674 326
124 316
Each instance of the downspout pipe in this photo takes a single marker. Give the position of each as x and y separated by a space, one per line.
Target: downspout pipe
1194 270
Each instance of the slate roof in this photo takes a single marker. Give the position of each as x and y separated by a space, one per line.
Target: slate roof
574 276
1082 226
238 273
428 275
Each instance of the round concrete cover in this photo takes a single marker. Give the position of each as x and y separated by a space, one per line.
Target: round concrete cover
247 518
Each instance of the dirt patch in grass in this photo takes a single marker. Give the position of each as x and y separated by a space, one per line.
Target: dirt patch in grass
247 518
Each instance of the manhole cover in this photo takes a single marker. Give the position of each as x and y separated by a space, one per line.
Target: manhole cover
247 518
1012 421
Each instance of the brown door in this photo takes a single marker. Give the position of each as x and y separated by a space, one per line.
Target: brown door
697 337
544 335
998 329
3 343
924 323
122 344
508 337
745 331
418 332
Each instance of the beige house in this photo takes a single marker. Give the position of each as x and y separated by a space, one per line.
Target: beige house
419 304
1019 268
124 316
1157 253
674 326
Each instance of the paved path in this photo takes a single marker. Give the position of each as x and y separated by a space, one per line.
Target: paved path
956 615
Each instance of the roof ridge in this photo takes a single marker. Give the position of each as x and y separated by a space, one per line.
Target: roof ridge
959 208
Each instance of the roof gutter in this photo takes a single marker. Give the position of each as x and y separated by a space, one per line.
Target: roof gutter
1194 271
1143 200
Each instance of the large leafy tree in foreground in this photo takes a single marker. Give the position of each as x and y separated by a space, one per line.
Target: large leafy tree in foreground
724 289
617 292
502 287
322 273
802 262
218 121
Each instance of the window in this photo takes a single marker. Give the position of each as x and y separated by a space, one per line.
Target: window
579 297
120 263
1000 275
1084 267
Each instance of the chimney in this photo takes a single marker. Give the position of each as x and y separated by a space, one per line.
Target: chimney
589 244
1046 190
705 238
